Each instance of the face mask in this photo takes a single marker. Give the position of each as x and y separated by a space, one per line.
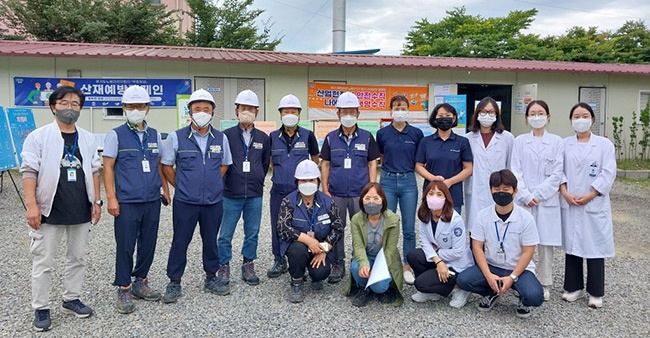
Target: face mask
290 120
308 188
502 198
372 208
444 123
487 120
201 119
135 116
435 202
246 117
399 116
581 125
537 121
67 116
348 121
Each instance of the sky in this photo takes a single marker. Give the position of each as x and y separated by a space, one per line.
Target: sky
306 25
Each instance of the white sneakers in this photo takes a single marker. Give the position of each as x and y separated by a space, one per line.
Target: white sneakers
421 297
458 298
409 278
595 302
547 293
573 296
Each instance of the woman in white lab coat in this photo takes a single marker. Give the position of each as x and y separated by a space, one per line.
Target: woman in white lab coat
589 170
491 146
537 162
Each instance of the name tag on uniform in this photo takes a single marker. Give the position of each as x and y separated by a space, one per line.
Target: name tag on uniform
152 145
155 151
72 175
327 221
593 170
145 166
360 146
246 167
324 216
215 148
257 145
501 257
347 163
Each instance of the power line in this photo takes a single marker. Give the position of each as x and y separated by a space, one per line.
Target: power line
306 22
577 9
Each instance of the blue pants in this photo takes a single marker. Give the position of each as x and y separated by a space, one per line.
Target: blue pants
233 208
137 223
185 218
402 189
378 288
529 288
276 200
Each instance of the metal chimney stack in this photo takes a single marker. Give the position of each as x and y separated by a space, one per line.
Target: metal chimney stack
338 26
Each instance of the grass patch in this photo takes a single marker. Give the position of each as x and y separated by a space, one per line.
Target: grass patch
636 164
645 183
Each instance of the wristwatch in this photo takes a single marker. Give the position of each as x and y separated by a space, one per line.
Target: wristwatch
514 277
99 202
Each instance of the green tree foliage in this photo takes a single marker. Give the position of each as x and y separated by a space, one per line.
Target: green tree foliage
229 25
103 21
632 43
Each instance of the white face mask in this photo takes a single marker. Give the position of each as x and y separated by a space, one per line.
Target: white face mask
348 121
487 120
201 119
399 116
135 116
537 121
581 125
290 120
308 188
246 117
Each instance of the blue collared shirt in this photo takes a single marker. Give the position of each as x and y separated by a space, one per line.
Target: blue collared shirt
398 148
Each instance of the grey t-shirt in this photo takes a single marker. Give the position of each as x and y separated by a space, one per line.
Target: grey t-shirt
374 238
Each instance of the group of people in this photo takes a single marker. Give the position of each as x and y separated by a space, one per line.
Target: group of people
535 191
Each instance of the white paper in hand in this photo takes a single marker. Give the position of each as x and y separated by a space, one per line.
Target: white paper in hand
379 270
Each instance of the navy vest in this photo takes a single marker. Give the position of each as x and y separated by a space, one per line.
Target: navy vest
198 176
322 225
132 185
348 182
285 163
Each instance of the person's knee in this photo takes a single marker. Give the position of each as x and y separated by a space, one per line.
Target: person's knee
381 287
532 297
320 274
413 256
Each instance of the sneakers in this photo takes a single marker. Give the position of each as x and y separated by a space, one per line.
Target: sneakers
338 270
547 293
421 297
523 311
248 273
458 298
172 292
361 298
573 296
124 303
42 320
595 302
487 303
279 267
77 308
409 278
317 285
140 289
387 297
296 293
216 285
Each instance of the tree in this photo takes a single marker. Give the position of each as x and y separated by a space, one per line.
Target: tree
231 25
102 21
632 43
586 45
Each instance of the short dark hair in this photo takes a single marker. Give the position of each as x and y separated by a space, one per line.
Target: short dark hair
445 106
585 106
540 103
62 91
424 214
475 126
505 177
380 192
399 98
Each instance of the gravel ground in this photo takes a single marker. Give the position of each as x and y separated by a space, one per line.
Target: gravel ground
263 311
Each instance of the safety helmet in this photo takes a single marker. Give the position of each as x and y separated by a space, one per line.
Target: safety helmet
307 170
347 100
289 101
201 95
247 97
135 94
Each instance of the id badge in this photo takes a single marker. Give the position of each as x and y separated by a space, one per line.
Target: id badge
347 163
72 175
145 166
310 234
501 257
593 171
246 167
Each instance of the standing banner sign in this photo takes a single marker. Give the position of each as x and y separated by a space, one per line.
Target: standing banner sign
21 122
7 153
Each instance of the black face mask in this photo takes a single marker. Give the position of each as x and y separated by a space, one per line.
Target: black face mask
502 198
444 123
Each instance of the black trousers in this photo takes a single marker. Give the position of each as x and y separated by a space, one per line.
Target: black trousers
426 276
573 275
299 258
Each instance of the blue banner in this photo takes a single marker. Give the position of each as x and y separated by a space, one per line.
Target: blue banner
7 156
460 103
107 93
21 122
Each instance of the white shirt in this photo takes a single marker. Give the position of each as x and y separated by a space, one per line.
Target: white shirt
451 242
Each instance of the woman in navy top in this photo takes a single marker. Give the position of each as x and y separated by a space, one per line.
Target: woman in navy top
445 156
397 144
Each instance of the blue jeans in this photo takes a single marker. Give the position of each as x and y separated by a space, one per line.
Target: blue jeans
377 288
402 188
233 208
529 288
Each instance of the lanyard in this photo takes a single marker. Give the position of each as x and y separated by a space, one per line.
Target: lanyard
504 234
70 155
143 143
314 214
348 144
246 146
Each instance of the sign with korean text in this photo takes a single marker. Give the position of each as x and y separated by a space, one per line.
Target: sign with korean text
7 152
21 123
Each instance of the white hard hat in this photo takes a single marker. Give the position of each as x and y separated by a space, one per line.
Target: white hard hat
247 97
307 170
135 94
347 100
201 95
289 101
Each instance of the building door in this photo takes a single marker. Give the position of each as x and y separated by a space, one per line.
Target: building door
224 91
476 92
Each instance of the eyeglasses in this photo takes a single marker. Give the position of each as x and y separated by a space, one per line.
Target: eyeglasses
73 104
487 112
375 199
537 113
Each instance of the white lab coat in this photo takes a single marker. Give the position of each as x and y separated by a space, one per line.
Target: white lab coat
538 165
451 241
494 157
587 230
